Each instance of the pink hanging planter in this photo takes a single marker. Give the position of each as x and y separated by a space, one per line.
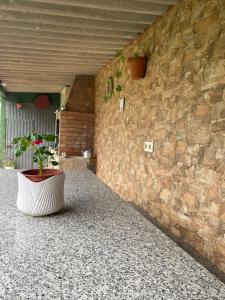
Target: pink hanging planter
19 105
42 102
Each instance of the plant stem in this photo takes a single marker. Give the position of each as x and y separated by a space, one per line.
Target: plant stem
40 167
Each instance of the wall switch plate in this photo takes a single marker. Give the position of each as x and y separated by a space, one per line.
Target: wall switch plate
122 104
149 146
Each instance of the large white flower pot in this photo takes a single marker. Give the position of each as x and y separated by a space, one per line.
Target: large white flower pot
40 198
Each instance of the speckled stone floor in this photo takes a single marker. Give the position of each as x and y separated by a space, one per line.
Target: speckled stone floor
98 247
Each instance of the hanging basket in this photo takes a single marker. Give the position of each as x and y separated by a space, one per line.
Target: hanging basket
42 101
19 105
137 66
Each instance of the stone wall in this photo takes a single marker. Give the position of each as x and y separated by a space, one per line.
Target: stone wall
180 104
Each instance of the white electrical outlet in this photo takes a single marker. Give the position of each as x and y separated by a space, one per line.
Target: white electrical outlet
121 104
149 146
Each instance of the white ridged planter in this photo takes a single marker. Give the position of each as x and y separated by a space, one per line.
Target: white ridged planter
40 198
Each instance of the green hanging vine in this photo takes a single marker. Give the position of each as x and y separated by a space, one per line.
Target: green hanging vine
117 75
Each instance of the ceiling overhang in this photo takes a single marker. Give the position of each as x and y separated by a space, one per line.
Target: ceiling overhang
45 43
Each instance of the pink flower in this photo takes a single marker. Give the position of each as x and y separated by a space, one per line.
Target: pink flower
37 142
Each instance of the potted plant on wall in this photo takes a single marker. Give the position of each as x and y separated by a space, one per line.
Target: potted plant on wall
41 190
137 65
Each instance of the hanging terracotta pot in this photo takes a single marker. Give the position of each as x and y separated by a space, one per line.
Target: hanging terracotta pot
137 66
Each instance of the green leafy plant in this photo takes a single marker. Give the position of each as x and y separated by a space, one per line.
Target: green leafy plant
139 53
106 98
120 55
135 55
119 88
118 72
118 52
9 163
41 153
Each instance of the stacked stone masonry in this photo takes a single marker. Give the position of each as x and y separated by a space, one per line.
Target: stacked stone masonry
180 104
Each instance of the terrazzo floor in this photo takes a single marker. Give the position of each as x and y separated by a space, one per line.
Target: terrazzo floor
98 247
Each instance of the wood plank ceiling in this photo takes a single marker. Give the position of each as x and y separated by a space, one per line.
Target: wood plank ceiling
45 43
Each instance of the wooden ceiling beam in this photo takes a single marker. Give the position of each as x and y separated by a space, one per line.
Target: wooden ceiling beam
33 18
53 53
47 58
81 12
49 28
45 69
45 43
35 88
134 6
62 37
80 62
25 38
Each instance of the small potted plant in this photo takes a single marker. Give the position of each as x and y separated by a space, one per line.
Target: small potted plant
41 190
9 164
137 65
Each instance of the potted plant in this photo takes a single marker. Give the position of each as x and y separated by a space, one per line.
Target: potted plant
137 65
9 164
41 190
41 155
